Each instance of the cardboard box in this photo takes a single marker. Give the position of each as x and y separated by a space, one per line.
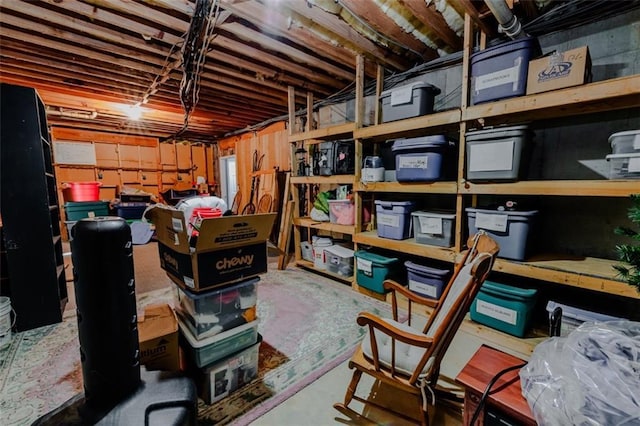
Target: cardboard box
558 70
228 249
158 336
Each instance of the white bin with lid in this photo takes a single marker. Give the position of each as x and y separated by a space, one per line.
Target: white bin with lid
319 245
625 142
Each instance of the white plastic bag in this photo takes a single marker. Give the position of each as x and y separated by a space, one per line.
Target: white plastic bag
591 377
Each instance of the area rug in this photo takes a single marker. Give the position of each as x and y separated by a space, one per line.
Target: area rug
307 323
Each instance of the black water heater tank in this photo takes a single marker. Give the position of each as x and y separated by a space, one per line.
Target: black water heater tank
104 285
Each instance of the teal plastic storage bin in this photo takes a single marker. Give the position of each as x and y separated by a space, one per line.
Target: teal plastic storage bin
504 307
81 209
373 269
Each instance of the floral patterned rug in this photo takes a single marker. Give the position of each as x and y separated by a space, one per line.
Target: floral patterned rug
307 323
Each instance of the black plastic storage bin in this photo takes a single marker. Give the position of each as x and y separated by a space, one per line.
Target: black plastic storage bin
323 159
500 71
344 162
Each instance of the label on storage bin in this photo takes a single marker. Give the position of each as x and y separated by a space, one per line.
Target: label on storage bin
413 162
401 96
492 156
388 220
422 288
500 77
364 266
634 165
636 142
501 313
430 225
492 222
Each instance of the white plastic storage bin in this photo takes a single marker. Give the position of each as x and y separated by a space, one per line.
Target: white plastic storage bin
342 212
497 154
624 166
212 349
393 219
306 250
500 71
426 281
211 312
625 142
339 260
434 228
410 100
512 230
226 376
319 245
573 317
420 159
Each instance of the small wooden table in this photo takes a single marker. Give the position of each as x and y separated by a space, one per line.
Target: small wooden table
506 396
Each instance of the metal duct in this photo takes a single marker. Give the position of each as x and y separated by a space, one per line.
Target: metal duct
509 24
69 113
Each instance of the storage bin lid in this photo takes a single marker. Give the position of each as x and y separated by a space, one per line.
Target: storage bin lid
426 270
579 314
623 156
394 203
433 213
375 258
626 134
435 141
82 205
322 242
507 212
340 251
339 201
508 291
498 132
216 291
199 344
410 86
503 48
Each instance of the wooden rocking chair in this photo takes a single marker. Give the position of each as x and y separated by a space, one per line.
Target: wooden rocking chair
408 358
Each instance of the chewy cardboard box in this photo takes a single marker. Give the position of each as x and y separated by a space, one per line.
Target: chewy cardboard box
558 70
158 336
228 249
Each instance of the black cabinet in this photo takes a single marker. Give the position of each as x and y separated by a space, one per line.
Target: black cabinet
30 211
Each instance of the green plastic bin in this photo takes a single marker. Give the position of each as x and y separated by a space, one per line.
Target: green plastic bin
504 307
373 269
81 209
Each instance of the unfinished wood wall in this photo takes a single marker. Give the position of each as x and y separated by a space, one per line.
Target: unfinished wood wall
272 142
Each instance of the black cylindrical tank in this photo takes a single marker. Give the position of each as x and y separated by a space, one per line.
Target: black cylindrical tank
104 284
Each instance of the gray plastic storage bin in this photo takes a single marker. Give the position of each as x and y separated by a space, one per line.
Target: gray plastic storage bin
420 159
434 228
426 281
624 166
625 142
497 154
510 229
500 71
393 219
410 100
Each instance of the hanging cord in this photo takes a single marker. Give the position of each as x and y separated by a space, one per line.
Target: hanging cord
424 386
487 390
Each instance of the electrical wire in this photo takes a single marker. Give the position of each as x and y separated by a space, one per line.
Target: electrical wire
487 390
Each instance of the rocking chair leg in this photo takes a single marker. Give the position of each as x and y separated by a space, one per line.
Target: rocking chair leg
351 390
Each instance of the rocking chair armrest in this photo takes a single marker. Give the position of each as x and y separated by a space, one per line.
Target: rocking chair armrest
395 287
375 322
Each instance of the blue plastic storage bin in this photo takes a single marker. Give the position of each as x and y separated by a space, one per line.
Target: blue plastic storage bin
426 281
420 159
393 219
510 229
131 210
500 71
372 269
503 307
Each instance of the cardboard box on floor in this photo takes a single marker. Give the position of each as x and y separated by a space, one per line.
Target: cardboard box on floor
158 336
228 249
559 70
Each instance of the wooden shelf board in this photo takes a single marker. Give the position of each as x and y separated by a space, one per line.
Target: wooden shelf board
341 130
335 179
618 93
584 272
309 265
405 246
325 226
578 188
411 126
417 187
